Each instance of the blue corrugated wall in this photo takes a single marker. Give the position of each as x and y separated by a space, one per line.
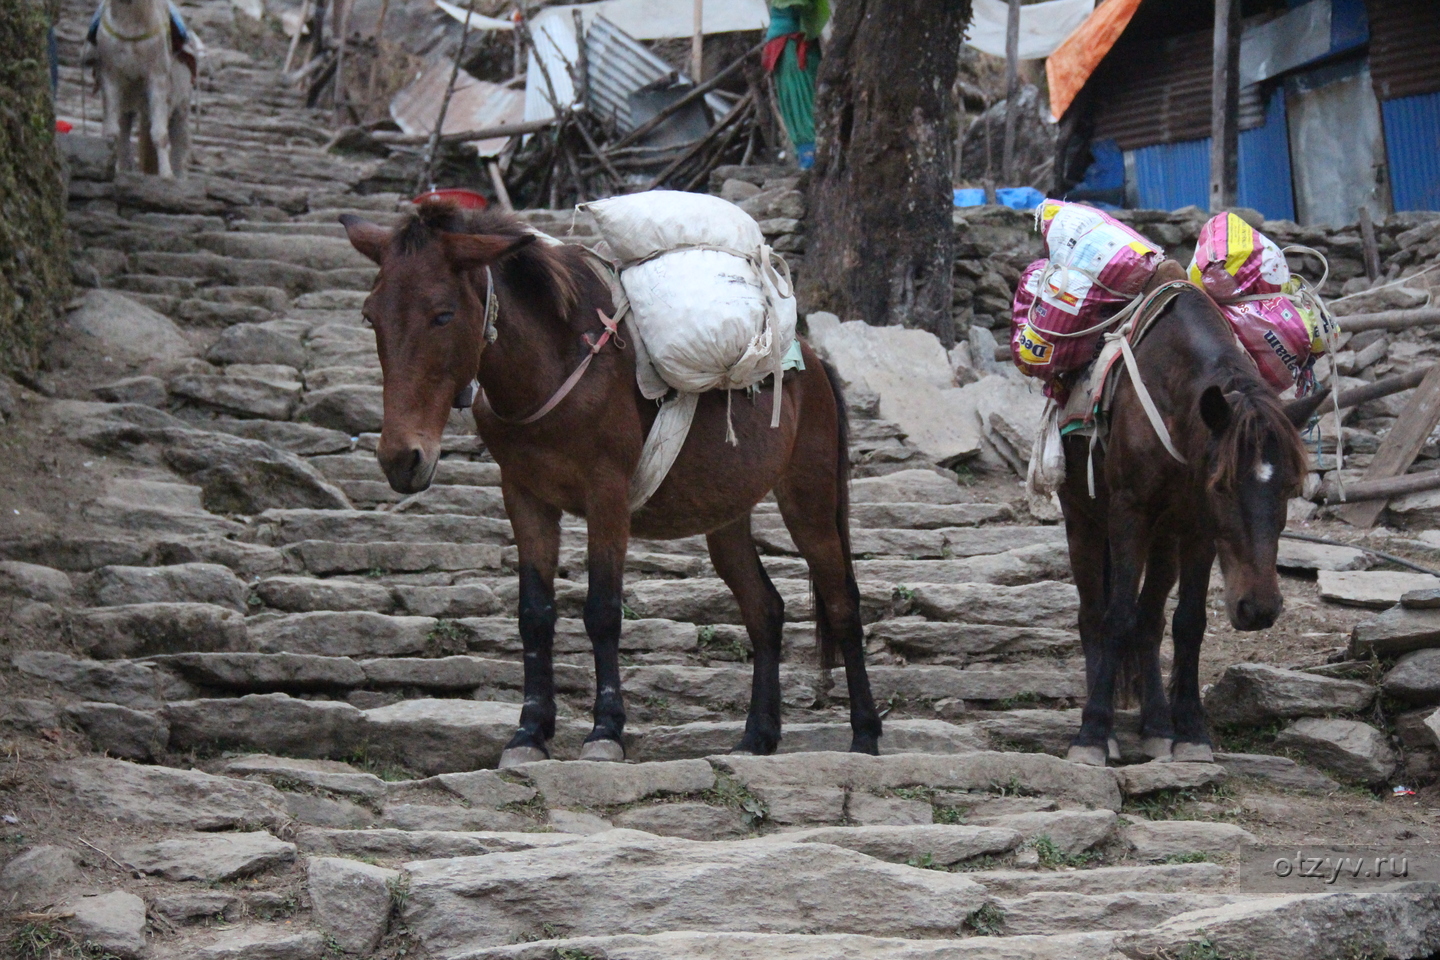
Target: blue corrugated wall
1173 175
1412 147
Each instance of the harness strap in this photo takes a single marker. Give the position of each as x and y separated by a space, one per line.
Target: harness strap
570 382
1146 403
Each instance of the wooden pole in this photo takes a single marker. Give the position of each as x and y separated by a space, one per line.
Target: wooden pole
1400 447
700 144
1369 490
484 133
1372 249
697 43
379 51
581 76
1389 319
1382 388
342 29
1012 91
294 41
432 149
502 196
689 98
1225 106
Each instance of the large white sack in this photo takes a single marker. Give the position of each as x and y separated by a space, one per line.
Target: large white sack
704 289
643 224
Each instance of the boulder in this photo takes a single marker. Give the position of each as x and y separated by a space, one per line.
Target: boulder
113 922
164 796
353 408
38 876
1252 694
209 857
1155 840
258 343
35 582
622 882
1379 589
1348 747
351 901
1415 678
1396 631
1009 411
208 583
128 331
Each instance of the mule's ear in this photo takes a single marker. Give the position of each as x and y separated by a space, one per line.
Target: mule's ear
369 238
1300 411
480 249
1215 410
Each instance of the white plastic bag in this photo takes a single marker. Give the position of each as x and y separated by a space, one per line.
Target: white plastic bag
711 301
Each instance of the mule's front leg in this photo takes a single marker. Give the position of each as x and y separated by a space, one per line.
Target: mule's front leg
537 537
157 91
1119 634
608 527
1192 739
732 551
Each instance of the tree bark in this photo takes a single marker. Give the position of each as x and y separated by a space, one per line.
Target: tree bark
881 238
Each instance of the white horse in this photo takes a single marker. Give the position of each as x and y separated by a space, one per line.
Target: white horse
145 65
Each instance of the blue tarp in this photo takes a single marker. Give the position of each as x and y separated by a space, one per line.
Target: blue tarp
1017 198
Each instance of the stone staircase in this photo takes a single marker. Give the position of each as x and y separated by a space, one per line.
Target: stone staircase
294 684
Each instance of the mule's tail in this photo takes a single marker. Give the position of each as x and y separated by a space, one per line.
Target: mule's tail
826 642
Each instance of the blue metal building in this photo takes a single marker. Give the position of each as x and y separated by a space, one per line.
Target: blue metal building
1340 109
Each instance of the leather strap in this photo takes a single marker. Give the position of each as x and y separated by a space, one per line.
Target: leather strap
570 382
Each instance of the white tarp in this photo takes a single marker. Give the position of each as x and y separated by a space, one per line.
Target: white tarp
1043 26
477 21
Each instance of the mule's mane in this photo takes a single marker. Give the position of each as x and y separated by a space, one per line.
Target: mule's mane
1256 414
537 269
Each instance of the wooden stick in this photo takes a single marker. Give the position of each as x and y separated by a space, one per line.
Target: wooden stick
714 160
502 196
339 99
1372 249
697 43
379 50
685 101
427 167
1382 388
581 75
715 132
1400 446
1363 491
1012 91
295 40
1225 105
484 133
604 160
1389 319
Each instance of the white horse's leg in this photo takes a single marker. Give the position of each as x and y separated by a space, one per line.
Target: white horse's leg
157 93
116 124
180 119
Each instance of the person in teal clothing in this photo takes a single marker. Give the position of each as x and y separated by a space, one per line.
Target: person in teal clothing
792 57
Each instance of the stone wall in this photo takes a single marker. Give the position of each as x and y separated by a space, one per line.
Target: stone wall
34 263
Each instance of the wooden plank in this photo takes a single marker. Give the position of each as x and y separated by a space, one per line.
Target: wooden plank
1400 447
1389 319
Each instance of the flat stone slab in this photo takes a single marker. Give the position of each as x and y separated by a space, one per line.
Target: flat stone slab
706 738
624 882
1396 631
1155 877
347 634
350 900
208 856
1350 748
165 796
1301 555
1155 840
1379 589
1049 604
613 784
919 639
404 845
364 526
1282 771
1070 831
1415 678
113 922
1142 778
330 776
1049 913
941 844
1257 693
1046 680
1399 921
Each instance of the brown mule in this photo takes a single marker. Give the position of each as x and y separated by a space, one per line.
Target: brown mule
428 309
1157 519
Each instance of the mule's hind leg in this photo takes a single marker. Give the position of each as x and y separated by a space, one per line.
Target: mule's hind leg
608 529
1192 739
537 537
732 551
1085 536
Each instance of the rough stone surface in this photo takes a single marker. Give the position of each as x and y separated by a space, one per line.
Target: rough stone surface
1348 747
348 634
1257 693
1281 771
39 875
1142 778
613 784
1415 678
944 844
180 583
259 942
632 883
1155 840
164 796
1371 588
1396 631
1071 831
1300 555
120 731
350 901
208 856
270 723
114 922
689 821
1041 604
142 629
127 330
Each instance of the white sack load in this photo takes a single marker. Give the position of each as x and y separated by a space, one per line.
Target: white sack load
712 303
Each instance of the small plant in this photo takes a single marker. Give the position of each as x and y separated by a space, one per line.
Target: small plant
729 792
905 593
1020 699
627 613
1013 788
374 573
570 953
987 921
1194 856
708 639
1202 949
926 861
35 940
1053 858
332 946
950 815
446 637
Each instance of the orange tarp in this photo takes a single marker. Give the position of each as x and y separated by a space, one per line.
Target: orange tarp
1073 61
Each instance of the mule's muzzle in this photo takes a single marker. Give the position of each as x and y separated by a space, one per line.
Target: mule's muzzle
1253 612
409 469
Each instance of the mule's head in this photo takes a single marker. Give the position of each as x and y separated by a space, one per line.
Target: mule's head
1255 464
428 311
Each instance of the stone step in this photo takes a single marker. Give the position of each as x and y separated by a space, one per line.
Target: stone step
279 527
292 278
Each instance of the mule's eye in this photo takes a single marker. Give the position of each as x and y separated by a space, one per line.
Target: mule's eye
366 321
443 318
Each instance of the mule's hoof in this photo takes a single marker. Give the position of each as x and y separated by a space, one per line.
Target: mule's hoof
1193 753
607 751
1112 749
1090 756
1157 749
514 756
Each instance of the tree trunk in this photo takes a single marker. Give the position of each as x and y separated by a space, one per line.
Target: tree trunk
881 240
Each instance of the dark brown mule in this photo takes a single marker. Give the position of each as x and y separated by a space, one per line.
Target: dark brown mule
1156 520
428 307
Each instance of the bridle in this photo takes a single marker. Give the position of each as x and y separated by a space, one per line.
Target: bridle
472 390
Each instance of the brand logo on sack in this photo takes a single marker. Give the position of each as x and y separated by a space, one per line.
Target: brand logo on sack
1034 349
1287 356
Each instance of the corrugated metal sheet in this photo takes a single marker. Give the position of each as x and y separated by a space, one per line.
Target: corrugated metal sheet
1404 47
1160 93
1412 147
1265 179
1172 175
619 65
